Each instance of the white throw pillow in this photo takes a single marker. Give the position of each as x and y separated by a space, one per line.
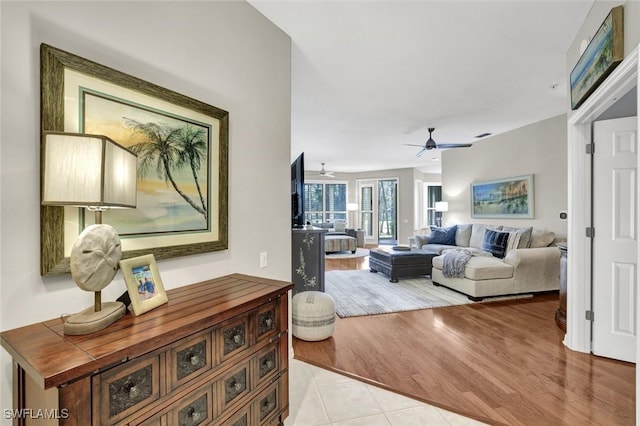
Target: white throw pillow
541 238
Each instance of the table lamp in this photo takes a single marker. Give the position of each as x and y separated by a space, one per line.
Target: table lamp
94 172
441 206
351 208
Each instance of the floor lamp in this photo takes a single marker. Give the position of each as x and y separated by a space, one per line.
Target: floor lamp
93 172
352 208
441 206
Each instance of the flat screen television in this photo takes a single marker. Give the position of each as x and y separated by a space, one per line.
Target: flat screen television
297 192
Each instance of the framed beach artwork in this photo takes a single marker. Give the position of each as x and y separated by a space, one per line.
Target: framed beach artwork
503 198
182 148
144 283
603 54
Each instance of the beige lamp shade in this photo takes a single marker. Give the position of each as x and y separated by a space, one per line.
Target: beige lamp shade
87 171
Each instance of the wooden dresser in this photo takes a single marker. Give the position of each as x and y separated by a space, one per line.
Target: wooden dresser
216 353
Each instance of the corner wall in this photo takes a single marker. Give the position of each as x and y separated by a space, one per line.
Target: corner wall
225 54
539 149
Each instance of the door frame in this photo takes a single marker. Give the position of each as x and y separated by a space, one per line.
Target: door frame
375 183
579 133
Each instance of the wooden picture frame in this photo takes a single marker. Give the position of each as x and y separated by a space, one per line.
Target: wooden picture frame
603 54
144 284
503 198
78 95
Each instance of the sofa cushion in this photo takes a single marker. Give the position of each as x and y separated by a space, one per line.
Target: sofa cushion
541 238
463 235
340 226
437 248
443 235
495 242
525 235
477 234
481 268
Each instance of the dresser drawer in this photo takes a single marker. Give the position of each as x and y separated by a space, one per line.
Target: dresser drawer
267 405
233 386
195 409
266 364
241 418
266 321
233 338
125 389
189 359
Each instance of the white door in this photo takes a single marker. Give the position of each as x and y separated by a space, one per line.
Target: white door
615 256
368 213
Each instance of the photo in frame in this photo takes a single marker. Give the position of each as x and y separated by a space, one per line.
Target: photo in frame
503 198
182 148
144 284
603 54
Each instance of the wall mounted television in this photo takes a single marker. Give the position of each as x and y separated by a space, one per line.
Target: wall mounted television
297 192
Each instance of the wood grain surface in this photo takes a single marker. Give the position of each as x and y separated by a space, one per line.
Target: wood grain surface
55 359
500 362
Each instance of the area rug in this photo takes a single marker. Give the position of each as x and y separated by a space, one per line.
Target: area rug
360 252
362 292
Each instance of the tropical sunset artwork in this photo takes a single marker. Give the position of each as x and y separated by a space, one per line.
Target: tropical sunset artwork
173 164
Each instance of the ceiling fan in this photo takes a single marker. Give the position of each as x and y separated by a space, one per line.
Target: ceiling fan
325 173
431 144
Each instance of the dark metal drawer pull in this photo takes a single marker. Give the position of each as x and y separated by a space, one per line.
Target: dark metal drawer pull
193 359
195 415
134 391
237 386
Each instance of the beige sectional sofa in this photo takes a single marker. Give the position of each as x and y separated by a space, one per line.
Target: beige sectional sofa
531 264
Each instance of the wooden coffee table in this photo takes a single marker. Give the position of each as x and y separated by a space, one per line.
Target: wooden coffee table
400 263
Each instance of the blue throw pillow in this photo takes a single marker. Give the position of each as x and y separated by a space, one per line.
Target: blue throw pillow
495 242
446 236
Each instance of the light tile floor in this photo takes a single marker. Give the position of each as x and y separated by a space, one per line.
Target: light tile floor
320 397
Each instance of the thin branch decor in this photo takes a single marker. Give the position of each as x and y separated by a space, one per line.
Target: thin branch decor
182 147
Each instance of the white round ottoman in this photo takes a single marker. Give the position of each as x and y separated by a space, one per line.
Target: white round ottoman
313 315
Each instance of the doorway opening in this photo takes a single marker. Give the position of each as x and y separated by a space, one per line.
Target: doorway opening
378 202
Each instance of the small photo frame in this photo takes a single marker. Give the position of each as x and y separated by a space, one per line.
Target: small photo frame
143 283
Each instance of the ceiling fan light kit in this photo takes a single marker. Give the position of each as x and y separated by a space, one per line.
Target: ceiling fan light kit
325 173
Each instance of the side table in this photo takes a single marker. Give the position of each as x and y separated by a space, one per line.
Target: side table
358 234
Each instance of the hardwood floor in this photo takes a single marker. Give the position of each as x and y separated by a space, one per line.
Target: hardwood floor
499 362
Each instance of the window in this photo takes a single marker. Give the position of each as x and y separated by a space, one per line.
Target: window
432 194
325 202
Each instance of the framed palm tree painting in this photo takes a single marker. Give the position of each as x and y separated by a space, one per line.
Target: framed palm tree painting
182 148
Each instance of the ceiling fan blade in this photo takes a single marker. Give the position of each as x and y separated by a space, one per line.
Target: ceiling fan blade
412 144
454 145
421 152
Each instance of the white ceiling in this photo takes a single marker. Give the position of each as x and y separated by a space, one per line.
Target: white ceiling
371 76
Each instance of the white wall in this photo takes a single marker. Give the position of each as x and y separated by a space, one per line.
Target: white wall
539 149
222 53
